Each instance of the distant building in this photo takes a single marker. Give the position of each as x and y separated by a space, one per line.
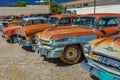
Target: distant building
89 3
87 6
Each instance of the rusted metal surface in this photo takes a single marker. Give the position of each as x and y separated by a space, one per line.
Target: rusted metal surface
10 31
103 57
52 42
31 30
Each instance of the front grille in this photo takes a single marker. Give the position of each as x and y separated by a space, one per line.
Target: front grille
44 43
108 63
113 68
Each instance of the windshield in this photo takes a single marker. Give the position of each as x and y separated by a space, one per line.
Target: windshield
53 20
85 21
22 23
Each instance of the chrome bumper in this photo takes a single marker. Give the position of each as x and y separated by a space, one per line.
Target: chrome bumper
102 74
24 42
49 52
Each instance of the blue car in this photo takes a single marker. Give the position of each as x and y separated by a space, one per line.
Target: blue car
103 57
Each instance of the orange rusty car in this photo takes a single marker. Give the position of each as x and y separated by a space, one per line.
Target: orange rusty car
14 22
10 32
66 43
26 34
103 58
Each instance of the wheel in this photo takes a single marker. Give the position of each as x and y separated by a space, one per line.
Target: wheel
93 77
71 54
13 39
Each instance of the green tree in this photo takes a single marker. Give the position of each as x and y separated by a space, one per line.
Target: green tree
56 8
20 4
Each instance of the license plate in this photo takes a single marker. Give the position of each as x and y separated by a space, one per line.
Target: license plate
106 76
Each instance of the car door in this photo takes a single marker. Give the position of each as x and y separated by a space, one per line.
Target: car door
108 25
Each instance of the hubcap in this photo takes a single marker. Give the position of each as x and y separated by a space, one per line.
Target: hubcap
71 54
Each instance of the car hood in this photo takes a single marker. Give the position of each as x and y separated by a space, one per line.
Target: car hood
109 46
10 28
61 32
34 28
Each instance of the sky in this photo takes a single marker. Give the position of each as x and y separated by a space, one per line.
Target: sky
12 2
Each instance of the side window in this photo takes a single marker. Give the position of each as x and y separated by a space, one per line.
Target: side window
65 21
101 22
73 20
112 22
37 22
43 21
108 22
29 23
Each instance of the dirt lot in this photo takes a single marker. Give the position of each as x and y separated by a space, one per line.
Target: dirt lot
19 64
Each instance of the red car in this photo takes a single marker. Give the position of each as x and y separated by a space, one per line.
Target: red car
10 32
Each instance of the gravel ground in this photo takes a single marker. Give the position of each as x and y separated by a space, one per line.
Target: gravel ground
18 64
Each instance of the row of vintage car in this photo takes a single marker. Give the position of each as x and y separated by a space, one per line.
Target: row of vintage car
13 20
71 37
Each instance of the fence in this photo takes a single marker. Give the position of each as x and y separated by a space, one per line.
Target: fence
29 9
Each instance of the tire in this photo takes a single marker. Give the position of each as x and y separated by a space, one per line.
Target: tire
93 77
71 54
13 39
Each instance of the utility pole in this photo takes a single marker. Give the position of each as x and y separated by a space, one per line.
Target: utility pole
94 6
49 6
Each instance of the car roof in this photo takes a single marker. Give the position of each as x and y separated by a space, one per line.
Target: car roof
64 15
100 15
35 18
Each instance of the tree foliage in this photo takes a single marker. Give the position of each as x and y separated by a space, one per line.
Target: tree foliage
56 8
20 4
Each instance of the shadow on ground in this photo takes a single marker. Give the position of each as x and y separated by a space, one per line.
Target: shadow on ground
58 62
93 77
28 48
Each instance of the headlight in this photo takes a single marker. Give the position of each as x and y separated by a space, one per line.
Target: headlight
37 42
36 36
87 48
52 43
25 33
51 40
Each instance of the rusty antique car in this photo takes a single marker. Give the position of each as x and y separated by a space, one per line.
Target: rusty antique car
5 23
14 22
103 58
10 32
66 42
26 35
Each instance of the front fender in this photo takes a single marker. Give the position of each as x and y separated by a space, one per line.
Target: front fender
74 40
11 33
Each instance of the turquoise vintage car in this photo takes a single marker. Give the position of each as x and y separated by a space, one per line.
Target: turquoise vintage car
103 58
